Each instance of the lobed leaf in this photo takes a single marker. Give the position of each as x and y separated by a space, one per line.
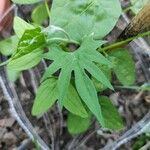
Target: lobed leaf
78 61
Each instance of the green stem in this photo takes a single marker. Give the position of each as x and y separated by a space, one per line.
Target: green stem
122 43
47 9
62 40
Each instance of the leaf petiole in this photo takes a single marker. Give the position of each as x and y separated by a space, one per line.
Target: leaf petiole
122 43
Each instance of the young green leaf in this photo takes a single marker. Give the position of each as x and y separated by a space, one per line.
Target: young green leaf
77 61
39 14
85 17
77 125
87 92
26 61
46 96
30 41
25 1
110 114
73 103
20 26
8 46
124 66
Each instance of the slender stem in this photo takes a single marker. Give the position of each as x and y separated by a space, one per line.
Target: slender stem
47 8
122 43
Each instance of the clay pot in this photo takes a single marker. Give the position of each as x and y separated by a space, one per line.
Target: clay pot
5 18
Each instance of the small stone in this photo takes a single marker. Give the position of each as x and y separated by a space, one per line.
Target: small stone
7 122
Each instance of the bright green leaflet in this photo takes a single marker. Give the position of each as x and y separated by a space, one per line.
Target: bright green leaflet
47 94
77 125
124 66
39 14
20 26
30 41
110 114
85 16
9 45
26 1
77 61
137 5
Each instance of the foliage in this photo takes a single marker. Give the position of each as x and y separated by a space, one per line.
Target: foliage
141 141
75 74
39 14
85 17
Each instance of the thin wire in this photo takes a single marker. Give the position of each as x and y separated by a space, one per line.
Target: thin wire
17 110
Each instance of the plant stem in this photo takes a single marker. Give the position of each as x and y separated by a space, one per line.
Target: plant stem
122 43
47 9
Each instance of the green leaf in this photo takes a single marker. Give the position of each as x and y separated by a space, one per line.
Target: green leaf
45 97
137 5
83 58
81 18
26 61
9 45
77 125
30 41
73 103
87 92
110 114
25 1
20 26
124 66
39 14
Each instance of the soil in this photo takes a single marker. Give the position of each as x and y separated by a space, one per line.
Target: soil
132 105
